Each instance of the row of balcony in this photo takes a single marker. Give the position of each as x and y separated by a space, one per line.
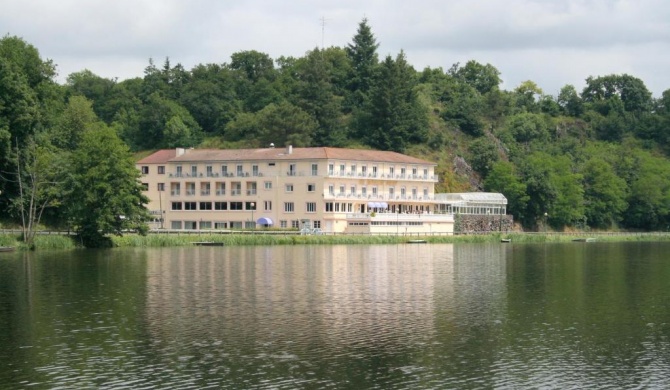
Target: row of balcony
342 174
233 192
215 174
431 216
341 195
329 196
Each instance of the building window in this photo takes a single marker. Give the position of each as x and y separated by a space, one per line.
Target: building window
190 206
179 171
311 187
161 169
414 171
145 170
329 207
250 205
289 207
236 188
353 170
342 169
239 170
224 170
194 170
374 191
425 192
205 205
191 225
402 172
315 169
331 168
176 206
175 225
283 224
311 207
352 190
342 190
337 207
268 185
235 224
254 170
364 171
391 192
267 205
220 225
236 205
161 186
220 205
331 189
289 188
190 189
251 188
292 170
316 224
425 173
295 224
209 171
205 224
364 191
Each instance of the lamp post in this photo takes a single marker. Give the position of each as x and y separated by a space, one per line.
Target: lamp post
160 205
253 224
545 221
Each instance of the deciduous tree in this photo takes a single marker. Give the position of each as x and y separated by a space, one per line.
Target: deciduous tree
104 195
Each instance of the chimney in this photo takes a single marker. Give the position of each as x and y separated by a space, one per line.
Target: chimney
289 149
180 152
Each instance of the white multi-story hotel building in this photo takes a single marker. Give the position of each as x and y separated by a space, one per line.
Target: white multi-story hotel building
312 189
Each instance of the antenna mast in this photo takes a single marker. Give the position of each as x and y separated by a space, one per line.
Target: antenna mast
323 30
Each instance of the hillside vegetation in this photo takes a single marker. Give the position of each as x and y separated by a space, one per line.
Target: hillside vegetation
596 158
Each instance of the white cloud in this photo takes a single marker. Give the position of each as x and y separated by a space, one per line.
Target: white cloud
552 42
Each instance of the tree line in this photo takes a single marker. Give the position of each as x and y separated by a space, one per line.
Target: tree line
595 158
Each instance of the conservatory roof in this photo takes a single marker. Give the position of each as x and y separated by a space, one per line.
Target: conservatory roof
474 197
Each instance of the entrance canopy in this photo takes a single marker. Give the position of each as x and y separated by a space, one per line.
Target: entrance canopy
377 205
264 221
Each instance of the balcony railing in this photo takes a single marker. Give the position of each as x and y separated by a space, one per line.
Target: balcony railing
335 173
204 192
220 192
236 192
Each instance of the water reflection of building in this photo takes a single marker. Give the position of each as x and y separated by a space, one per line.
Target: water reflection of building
346 296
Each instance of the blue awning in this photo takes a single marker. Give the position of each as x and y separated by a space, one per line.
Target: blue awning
264 221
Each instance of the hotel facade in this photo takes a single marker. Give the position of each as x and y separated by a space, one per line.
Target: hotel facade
315 190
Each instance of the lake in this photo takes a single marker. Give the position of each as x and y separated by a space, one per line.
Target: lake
508 316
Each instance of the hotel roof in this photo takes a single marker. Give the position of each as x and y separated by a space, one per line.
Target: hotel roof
216 155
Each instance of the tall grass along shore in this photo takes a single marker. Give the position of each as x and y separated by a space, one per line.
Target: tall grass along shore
57 241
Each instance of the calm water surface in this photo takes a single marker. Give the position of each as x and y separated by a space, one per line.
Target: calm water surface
574 315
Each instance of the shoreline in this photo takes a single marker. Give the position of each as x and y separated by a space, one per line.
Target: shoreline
181 239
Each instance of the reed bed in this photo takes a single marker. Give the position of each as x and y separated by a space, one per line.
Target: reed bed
54 241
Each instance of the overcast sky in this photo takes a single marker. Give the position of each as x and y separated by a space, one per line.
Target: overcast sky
551 42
